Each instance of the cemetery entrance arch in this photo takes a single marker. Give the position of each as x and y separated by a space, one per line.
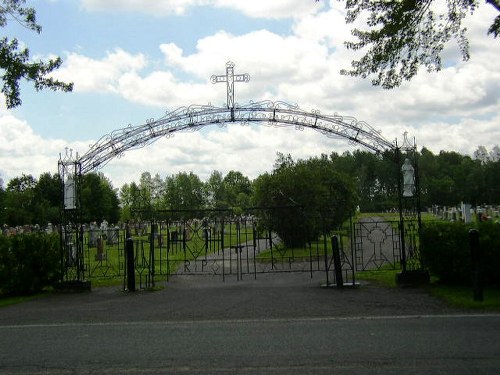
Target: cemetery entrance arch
195 117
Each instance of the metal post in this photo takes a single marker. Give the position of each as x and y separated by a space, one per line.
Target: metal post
475 251
129 253
336 262
400 204
152 252
325 248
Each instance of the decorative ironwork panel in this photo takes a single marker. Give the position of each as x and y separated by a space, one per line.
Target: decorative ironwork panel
376 244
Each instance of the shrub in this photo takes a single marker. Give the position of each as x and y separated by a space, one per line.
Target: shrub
446 251
28 263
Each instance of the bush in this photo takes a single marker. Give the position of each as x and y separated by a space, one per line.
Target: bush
446 251
28 263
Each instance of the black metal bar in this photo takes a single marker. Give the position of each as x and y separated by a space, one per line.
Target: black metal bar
327 271
129 253
336 262
475 251
353 265
400 203
152 252
222 248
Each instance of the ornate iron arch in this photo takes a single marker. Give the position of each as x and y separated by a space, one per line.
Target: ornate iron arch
196 117
269 113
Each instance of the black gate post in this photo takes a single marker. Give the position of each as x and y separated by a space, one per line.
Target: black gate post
154 232
129 253
336 262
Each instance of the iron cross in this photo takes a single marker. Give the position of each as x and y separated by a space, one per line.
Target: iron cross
230 78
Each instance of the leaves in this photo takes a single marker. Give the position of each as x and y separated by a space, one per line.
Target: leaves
402 36
15 62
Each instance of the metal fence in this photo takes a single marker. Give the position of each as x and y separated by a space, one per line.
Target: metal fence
228 247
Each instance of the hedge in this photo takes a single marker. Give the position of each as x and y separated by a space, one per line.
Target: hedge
29 263
446 251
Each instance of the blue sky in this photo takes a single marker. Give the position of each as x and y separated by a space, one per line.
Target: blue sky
132 60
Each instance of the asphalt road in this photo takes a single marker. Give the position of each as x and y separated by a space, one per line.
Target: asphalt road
283 325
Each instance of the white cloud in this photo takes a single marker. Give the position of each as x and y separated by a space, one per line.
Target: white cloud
254 8
155 7
271 9
454 110
89 74
24 152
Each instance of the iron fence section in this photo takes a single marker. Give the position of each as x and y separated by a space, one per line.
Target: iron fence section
230 247
376 244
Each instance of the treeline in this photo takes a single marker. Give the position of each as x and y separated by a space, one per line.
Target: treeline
30 201
446 179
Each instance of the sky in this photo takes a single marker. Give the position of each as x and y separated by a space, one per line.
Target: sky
135 60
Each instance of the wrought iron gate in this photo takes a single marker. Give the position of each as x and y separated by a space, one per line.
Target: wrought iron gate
213 243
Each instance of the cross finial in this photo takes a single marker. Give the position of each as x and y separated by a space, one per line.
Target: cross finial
230 78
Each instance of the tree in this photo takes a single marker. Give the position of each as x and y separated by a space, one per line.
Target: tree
2 203
214 191
309 198
47 199
19 200
401 36
184 191
99 199
236 186
15 61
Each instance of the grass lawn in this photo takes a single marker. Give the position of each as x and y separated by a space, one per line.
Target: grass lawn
457 296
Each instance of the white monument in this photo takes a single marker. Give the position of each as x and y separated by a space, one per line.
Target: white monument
408 179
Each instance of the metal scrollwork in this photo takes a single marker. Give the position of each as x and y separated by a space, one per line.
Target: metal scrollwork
195 117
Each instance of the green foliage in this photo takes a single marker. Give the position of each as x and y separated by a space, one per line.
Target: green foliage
401 36
184 191
29 263
15 62
446 251
375 178
98 198
307 194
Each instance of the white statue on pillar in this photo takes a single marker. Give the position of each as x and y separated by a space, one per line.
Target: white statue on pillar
408 179
69 194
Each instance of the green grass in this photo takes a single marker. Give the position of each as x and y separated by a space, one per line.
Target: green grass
394 216
462 296
456 296
385 278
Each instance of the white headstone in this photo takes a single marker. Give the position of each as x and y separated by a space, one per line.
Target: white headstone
466 212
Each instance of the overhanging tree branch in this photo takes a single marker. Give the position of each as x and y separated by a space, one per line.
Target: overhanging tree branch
15 63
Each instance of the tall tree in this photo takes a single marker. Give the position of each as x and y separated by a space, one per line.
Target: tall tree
184 191
20 200
236 187
310 198
47 199
15 63
401 36
99 199
215 191
2 203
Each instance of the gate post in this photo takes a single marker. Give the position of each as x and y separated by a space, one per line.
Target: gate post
129 253
339 281
152 252
413 272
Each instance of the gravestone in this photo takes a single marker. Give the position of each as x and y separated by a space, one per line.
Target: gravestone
100 256
466 213
112 235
